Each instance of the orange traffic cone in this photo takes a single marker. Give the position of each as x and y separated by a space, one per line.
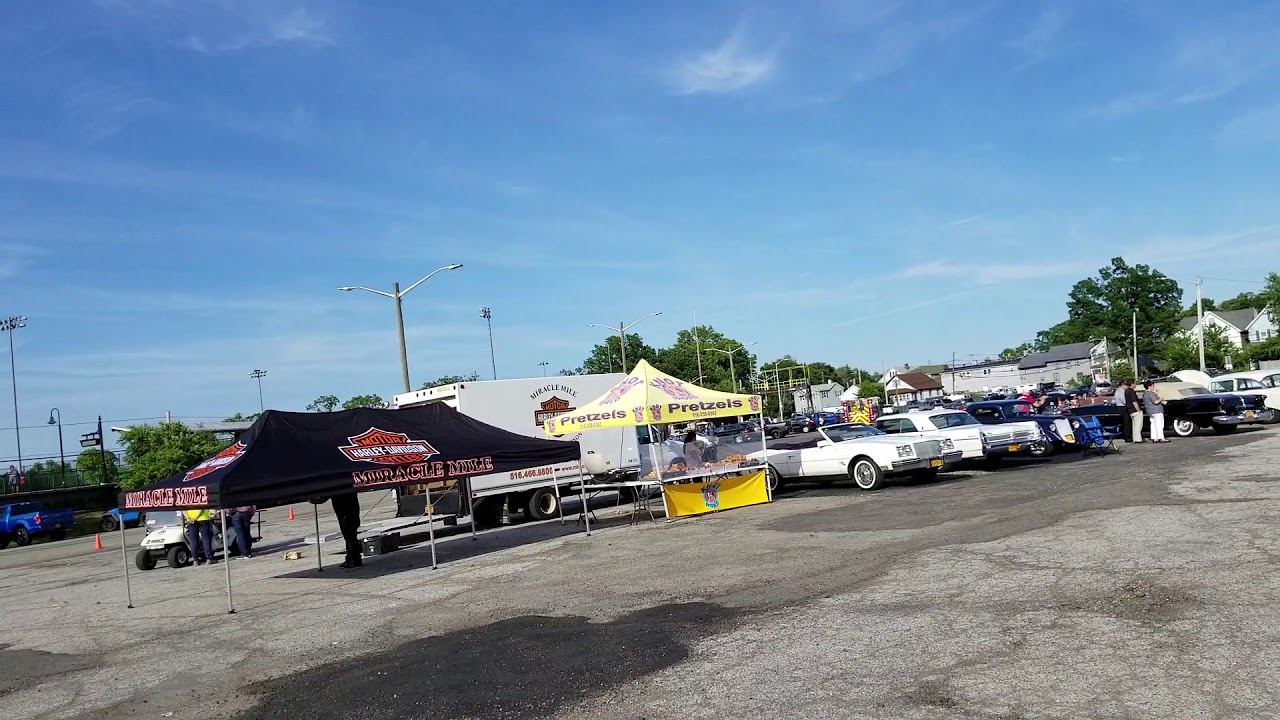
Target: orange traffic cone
97 542
291 512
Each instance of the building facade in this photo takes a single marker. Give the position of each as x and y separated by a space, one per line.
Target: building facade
815 397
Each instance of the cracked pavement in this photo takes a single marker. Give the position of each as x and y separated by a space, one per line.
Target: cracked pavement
1136 585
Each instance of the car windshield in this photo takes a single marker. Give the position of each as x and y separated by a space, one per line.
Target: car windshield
955 419
850 431
1222 386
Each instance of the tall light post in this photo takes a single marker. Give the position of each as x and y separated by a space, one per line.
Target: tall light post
10 324
731 353
488 318
396 294
544 365
622 334
62 456
258 375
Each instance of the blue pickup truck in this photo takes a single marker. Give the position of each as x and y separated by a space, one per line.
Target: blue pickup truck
20 521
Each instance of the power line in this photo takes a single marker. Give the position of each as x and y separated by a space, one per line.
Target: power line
1247 282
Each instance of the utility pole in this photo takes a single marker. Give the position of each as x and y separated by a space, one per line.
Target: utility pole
10 325
258 375
1200 321
488 318
544 365
102 455
1135 346
953 372
622 344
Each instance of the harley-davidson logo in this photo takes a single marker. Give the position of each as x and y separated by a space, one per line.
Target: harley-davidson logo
221 460
550 408
387 448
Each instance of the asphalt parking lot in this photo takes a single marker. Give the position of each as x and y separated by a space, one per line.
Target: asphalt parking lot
1136 585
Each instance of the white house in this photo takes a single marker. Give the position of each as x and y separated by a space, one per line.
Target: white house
815 397
1262 328
1236 324
907 387
1060 364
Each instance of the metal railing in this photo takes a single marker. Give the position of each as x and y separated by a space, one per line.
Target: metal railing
47 479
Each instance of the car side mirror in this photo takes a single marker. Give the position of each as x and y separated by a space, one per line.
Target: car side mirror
824 443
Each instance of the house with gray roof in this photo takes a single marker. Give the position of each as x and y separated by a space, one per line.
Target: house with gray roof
1240 326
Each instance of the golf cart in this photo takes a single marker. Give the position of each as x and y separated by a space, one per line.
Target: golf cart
166 538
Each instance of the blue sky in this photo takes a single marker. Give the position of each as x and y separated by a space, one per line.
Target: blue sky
183 185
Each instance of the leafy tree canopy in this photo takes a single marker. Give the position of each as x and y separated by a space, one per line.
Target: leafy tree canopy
1103 306
450 380
155 452
324 403
90 463
366 401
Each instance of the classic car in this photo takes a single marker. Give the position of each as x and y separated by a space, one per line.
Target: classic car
859 452
1055 429
1253 382
1189 408
974 440
738 433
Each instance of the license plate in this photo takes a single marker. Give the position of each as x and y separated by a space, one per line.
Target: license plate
1013 448
935 463
1248 413
1069 438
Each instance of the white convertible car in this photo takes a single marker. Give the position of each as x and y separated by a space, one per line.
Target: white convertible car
975 440
861 453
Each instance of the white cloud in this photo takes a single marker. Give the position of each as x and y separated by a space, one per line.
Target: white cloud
728 68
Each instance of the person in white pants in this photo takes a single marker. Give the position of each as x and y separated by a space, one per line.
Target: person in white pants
1153 404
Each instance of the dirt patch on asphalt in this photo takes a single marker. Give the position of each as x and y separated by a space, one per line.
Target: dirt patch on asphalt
524 667
1138 599
24 668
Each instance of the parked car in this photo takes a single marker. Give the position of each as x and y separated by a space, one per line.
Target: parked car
1055 429
22 521
859 452
111 519
974 440
802 423
1253 382
738 433
1189 408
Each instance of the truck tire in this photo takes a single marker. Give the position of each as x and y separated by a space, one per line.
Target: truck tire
178 556
57 535
21 536
109 523
543 504
865 473
144 560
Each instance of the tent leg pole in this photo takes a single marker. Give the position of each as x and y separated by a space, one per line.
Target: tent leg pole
124 555
471 508
657 469
582 495
764 448
555 480
319 562
226 560
431 525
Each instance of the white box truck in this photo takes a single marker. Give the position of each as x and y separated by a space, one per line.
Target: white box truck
521 406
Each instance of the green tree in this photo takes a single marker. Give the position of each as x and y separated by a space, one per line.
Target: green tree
89 463
1182 351
606 357
450 380
155 452
1103 306
1015 353
366 401
566 372
1268 349
681 359
1269 298
1191 310
1243 301
324 403
239 417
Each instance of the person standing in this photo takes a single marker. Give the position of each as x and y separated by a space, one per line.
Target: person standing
1134 405
1153 404
200 535
347 507
692 451
1119 400
241 517
13 479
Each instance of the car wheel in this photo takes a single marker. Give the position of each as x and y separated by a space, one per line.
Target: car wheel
865 473
178 556
109 523
1042 450
21 536
804 429
144 560
1224 429
1184 427
775 480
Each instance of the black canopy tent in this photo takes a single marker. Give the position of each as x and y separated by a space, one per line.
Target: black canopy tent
288 457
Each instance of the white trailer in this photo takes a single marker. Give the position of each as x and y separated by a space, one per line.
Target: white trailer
521 406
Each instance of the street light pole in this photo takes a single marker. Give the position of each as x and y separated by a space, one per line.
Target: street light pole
396 295
731 353
622 334
258 375
62 456
10 324
1200 321
544 365
488 318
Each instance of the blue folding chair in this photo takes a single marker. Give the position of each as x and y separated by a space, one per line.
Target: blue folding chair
1093 436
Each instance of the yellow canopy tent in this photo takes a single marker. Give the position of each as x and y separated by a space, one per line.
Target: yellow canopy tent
649 397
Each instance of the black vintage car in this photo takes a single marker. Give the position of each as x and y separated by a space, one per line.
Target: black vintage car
1189 408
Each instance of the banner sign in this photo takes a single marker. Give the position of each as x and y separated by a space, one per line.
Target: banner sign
713 495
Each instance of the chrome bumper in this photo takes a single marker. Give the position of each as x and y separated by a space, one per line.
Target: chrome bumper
947 458
1258 417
